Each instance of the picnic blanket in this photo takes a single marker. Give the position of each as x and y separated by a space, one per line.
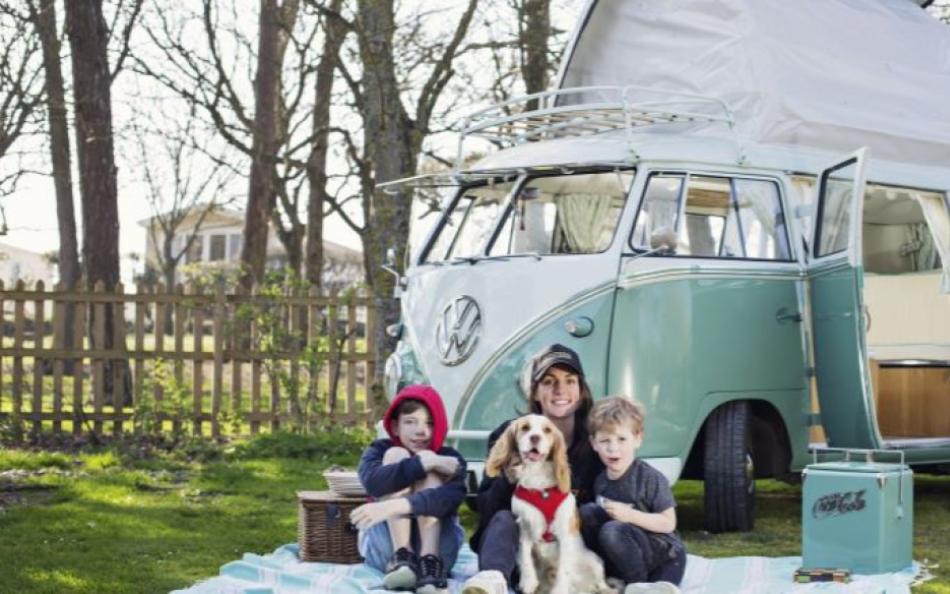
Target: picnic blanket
281 572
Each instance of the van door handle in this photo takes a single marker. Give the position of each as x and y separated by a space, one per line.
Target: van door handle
579 327
785 315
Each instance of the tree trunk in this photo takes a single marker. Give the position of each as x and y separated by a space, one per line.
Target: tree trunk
534 33
276 22
334 33
392 144
44 20
88 38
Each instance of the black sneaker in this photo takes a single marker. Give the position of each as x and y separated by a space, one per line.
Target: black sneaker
432 578
402 570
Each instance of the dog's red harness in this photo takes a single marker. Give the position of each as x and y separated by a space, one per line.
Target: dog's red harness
545 501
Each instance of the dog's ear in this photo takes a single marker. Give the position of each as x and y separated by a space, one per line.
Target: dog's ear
501 453
562 468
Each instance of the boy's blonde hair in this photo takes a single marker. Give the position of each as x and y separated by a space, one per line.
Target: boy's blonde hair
613 412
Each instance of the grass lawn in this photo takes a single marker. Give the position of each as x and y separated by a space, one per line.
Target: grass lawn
122 521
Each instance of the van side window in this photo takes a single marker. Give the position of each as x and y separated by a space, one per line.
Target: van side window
564 214
721 217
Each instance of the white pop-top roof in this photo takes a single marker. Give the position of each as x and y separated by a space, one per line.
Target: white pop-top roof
826 74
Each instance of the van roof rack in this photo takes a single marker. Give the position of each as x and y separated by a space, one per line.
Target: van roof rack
564 113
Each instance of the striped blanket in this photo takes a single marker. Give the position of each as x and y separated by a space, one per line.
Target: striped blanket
282 573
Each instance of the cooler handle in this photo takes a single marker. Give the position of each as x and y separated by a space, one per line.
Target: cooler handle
868 453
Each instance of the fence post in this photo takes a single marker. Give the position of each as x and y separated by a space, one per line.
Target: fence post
120 361
371 389
255 353
333 313
315 353
59 342
39 325
197 379
236 338
18 319
350 354
98 344
79 341
179 362
218 374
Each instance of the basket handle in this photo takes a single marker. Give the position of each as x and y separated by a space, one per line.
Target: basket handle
334 514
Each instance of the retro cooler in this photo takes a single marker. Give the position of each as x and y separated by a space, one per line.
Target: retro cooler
858 513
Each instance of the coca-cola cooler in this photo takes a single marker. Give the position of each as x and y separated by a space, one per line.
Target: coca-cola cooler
858 513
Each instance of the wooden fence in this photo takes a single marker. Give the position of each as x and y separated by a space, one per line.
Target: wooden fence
207 362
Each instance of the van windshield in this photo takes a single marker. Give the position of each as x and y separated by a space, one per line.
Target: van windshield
469 221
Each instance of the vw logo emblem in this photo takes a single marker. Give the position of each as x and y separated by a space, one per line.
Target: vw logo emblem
458 329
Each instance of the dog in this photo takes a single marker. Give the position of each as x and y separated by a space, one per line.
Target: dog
552 557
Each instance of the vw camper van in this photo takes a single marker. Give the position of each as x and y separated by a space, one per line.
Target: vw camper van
739 218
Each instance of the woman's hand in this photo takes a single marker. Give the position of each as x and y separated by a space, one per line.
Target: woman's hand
370 514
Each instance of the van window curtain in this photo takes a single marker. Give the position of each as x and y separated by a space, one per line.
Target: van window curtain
582 219
938 219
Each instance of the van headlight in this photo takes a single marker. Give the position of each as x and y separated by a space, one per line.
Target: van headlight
393 373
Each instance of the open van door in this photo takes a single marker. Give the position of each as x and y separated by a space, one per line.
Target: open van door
836 285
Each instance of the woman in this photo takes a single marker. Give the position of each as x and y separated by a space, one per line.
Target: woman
559 391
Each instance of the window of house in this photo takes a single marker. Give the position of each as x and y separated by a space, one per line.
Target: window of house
217 248
714 217
235 241
575 213
196 249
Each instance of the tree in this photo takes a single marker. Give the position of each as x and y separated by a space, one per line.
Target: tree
92 81
20 93
534 32
392 142
335 32
43 17
276 22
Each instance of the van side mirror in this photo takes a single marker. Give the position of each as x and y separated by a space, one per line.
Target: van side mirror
663 240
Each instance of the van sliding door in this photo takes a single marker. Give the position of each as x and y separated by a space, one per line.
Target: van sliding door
836 282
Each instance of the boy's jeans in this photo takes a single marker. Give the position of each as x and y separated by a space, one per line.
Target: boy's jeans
376 546
630 553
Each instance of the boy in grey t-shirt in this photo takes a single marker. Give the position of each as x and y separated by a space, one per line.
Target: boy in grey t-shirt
632 524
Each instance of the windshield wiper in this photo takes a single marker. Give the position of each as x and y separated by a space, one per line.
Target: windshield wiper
498 258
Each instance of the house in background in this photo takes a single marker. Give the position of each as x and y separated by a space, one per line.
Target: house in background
19 264
219 240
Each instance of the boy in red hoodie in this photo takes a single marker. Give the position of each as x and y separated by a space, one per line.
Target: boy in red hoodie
411 529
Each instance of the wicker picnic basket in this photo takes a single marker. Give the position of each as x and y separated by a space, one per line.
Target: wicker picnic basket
324 531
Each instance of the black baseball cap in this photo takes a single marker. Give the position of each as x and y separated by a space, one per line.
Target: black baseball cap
556 354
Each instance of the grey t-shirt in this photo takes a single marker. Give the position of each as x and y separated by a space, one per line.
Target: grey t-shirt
643 487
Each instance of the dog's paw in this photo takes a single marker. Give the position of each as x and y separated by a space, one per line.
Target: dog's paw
528 584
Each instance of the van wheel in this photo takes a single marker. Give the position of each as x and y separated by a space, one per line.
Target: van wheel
728 472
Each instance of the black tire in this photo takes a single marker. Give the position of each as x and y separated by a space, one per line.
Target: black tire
728 471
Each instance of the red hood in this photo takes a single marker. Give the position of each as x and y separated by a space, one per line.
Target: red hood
428 396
